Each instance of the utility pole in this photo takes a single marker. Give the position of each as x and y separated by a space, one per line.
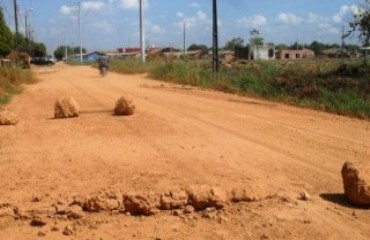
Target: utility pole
66 47
343 36
142 37
79 29
16 29
25 26
184 39
215 38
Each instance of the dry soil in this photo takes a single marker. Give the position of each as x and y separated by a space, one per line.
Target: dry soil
177 137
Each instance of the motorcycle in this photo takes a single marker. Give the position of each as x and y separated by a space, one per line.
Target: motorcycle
103 69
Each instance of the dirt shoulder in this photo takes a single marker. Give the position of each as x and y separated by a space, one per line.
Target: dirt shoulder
178 137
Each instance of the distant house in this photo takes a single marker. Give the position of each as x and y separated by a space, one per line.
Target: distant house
92 57
262 52
87 57
340 53
256 52
295 54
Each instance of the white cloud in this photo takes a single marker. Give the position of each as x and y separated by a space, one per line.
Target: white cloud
92 5
132 4
67 10
156 29
328 28
194 5
289 18
104 26
344 11
196 20
256 21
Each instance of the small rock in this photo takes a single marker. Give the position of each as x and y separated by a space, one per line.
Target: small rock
304 196
38 222
263 237
36 199
8 118
203 196
66 107
176 212
41 234
21 214
7 212
189 209
97 204
124 107
75 212
174 199
55 228
61 210
68 230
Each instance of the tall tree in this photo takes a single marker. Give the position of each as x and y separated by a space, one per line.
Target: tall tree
361 23
234 43
202 47
6 36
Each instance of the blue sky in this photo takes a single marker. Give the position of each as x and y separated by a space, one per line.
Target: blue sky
109 24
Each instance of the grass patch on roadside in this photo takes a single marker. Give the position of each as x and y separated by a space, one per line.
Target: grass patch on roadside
341 87
11 79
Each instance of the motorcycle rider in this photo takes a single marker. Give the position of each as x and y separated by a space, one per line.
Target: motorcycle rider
103 63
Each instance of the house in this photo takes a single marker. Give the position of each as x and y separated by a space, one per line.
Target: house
87 57
256 52
262 52
295 54
92 57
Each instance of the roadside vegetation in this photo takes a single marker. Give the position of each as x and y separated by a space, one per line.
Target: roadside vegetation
341 87
11 80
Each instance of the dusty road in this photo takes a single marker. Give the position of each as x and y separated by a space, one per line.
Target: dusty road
177 137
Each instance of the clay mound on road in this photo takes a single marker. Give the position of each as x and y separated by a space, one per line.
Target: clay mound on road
251 193
356 181
8 118
124 107
66 107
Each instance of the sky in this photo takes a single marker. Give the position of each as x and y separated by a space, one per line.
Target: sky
111 24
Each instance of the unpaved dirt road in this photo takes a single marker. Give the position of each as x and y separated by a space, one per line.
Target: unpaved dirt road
178 136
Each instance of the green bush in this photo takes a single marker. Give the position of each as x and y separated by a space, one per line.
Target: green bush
334 86
11 79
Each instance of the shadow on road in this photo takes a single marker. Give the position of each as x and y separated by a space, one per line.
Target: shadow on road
340 199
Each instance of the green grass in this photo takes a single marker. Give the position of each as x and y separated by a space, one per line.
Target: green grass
11 79
317 84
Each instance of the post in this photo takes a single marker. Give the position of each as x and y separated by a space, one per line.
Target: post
215 38
79 29
25 26
16 29
142 37
66 47
184 39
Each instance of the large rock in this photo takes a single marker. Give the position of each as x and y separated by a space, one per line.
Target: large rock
356 181
66 107
204 196
8 118
138 204
124 107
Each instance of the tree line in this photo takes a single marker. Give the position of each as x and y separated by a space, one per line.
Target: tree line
25 45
